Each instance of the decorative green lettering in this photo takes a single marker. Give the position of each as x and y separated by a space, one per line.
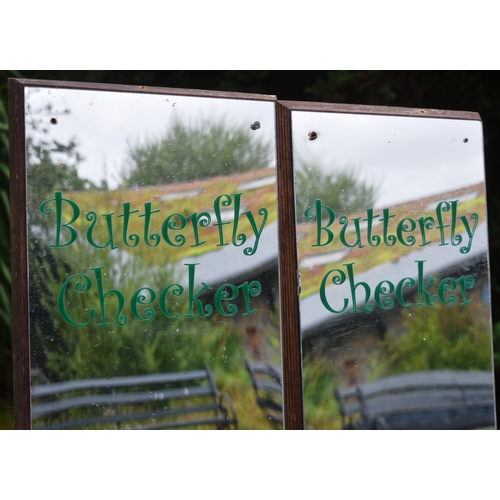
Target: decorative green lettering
406 228
154 238
315 212
218 215
81 287
170 223
336 280
447 285
408 283
92 218
252 289
380 289
223 294
203 220
177 291
134 238
121 320
345 222
373 241
138 298
367 306
257 231
58 198
466 283
203 311
430 300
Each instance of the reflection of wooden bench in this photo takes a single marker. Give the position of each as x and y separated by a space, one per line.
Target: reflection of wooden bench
266 380
158 401
436 399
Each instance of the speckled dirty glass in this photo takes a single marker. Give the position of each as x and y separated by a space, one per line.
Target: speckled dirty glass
153 277
393 258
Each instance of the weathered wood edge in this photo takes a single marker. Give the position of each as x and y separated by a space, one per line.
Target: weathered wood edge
19 255
379 110
288 270
143 89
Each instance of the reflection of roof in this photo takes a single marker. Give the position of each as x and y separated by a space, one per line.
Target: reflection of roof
257 188
314 315
471 199
230 264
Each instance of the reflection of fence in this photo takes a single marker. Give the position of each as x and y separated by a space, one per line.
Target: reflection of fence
436 399
266 380
158 401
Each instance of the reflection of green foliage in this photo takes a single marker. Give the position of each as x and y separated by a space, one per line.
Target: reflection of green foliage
438 337
320 378
186 153
341 190
47 173
65 352
51 164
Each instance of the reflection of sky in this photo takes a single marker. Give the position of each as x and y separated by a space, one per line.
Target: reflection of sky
104 123
408 157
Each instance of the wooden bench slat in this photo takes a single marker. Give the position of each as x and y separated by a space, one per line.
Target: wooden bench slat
118 399
133 417
431 378
431 399
116 382
266 381
114 407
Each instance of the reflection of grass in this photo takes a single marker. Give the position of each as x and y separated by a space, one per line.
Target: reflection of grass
320 379
239 387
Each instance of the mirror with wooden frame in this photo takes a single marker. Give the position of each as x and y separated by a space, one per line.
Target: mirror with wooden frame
145 258
393 260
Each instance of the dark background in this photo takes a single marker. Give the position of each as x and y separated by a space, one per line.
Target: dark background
454 90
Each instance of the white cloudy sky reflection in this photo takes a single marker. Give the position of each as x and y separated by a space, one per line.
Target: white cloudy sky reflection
408 157
105 123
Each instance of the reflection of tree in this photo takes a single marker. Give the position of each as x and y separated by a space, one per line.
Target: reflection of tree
341 189
186 152
438 337
51 166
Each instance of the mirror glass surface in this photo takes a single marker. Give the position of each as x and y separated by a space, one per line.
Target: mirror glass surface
153 279
392 241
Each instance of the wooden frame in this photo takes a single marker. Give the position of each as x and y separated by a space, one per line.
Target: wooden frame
288 258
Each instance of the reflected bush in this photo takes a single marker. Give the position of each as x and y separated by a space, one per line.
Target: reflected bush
320 376
439 337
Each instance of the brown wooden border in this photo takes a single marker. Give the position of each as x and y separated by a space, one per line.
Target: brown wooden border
291 345
19 256
143 89
328 107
